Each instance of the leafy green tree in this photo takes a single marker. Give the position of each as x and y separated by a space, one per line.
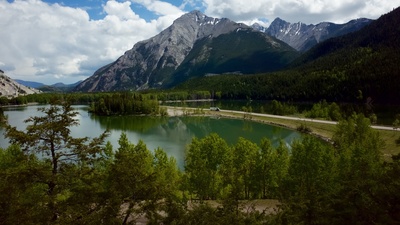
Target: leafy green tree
204 158
334 112
140 183
265 168
310 183
280 164
279 108
130 181
272 166
244 169
167 194
360 167
21 195
65 159
388 195
396 122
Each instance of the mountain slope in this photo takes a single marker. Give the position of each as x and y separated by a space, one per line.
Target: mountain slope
153 63
11 88
240 52
303 37
361 65
31 84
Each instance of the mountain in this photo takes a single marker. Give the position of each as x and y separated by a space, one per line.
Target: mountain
363 64
11 88
303 37
57 87
194 45
31 84
359 67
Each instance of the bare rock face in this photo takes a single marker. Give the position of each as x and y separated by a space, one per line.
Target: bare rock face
10 88
150 62
302 37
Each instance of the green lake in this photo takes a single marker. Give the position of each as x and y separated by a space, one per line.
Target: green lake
172 134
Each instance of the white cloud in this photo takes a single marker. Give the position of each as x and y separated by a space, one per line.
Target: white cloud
120 10
160 7
308 11
45 42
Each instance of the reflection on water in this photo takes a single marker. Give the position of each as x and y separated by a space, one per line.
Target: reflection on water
172 134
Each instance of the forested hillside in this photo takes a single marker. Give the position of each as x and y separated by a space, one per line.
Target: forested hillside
240 52
351 68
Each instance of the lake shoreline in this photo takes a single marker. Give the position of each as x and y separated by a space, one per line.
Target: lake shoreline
321 129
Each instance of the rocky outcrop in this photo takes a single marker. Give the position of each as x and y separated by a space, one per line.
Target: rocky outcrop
10 88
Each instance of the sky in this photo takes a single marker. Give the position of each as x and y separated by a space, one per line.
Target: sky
51 41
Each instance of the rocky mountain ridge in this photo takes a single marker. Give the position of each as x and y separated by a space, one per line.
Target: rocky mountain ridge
10 88
152 63
303 36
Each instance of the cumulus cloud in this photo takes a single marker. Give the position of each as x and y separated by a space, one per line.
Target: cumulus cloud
45 42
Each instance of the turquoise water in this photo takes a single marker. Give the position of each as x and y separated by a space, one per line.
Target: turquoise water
172 134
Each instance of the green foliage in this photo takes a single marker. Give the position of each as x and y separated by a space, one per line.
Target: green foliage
303 128
54 178
310 182
279 108
66 162
214 170
141 181
325 110
125 104
20 191
3 118
3 100
203 162
243 170
360 167
273 167
396 122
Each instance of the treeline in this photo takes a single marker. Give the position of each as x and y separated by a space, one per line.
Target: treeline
88 98
57 179
125 103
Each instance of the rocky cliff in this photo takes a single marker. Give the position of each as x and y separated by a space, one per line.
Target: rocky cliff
10 88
